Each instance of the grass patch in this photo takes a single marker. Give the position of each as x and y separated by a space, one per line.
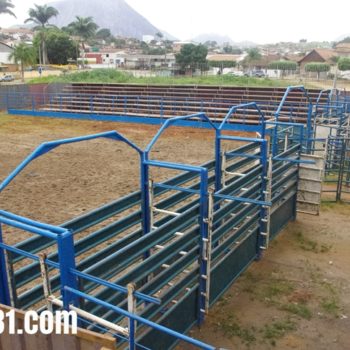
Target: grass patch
310 245
297 309
231 328
330 306
115 76
278 288
277 330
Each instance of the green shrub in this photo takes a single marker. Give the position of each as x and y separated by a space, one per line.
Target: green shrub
344 63
317 67
283 65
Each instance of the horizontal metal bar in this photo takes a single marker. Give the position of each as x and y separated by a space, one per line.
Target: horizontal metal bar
167 212
294 160
242 199
27 255
243 155
121 330
24 220
29 228
114 286
240 138
175 188
141 319
175 166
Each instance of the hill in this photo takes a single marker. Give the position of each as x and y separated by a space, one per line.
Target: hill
116 15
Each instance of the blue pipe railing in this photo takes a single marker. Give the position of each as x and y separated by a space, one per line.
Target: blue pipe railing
69 274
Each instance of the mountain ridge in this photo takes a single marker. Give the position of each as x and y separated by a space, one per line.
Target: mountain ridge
116 15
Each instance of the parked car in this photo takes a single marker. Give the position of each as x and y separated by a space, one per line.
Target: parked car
255 73
236 73
7 77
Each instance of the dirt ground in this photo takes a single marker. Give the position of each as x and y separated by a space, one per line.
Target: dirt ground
79 177
296 297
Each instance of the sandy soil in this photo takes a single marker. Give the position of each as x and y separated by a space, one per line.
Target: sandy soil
296 297
79 177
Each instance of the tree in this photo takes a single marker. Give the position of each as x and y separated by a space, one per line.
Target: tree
24 54
192 56
211 44
346 40
344 63
60 47
104 34
159 35
85 28
40 15
228 49
253 55
5 7
284 66
222 64
317 67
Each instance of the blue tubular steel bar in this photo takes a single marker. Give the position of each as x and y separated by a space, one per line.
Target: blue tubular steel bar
142 320
219 137
48 146
4 285
252 105
116 287
40 225
263 234
176 188
285 124
243 199
29 228
279 109
203 223
146 221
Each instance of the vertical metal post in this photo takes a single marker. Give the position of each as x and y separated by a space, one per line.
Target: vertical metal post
223 169
309 130
46 280
132 310
147 217
66 256
341 170
286 141
4 286
203 261
263 195
151 204
11 278
218 171
208 249
145 194
275 138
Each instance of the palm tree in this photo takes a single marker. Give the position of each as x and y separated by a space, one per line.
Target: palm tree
24 54
40 15
5 6
85 28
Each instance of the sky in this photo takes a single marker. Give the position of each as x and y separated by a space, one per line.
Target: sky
260 21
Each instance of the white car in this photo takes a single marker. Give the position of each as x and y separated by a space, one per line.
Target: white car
7 77
237 73
345 75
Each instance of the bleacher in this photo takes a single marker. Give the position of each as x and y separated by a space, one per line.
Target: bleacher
173 100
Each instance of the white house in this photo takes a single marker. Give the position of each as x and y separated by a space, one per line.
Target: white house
5 63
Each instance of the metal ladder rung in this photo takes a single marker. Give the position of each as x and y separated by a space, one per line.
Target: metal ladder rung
162 211
235 174
180 234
